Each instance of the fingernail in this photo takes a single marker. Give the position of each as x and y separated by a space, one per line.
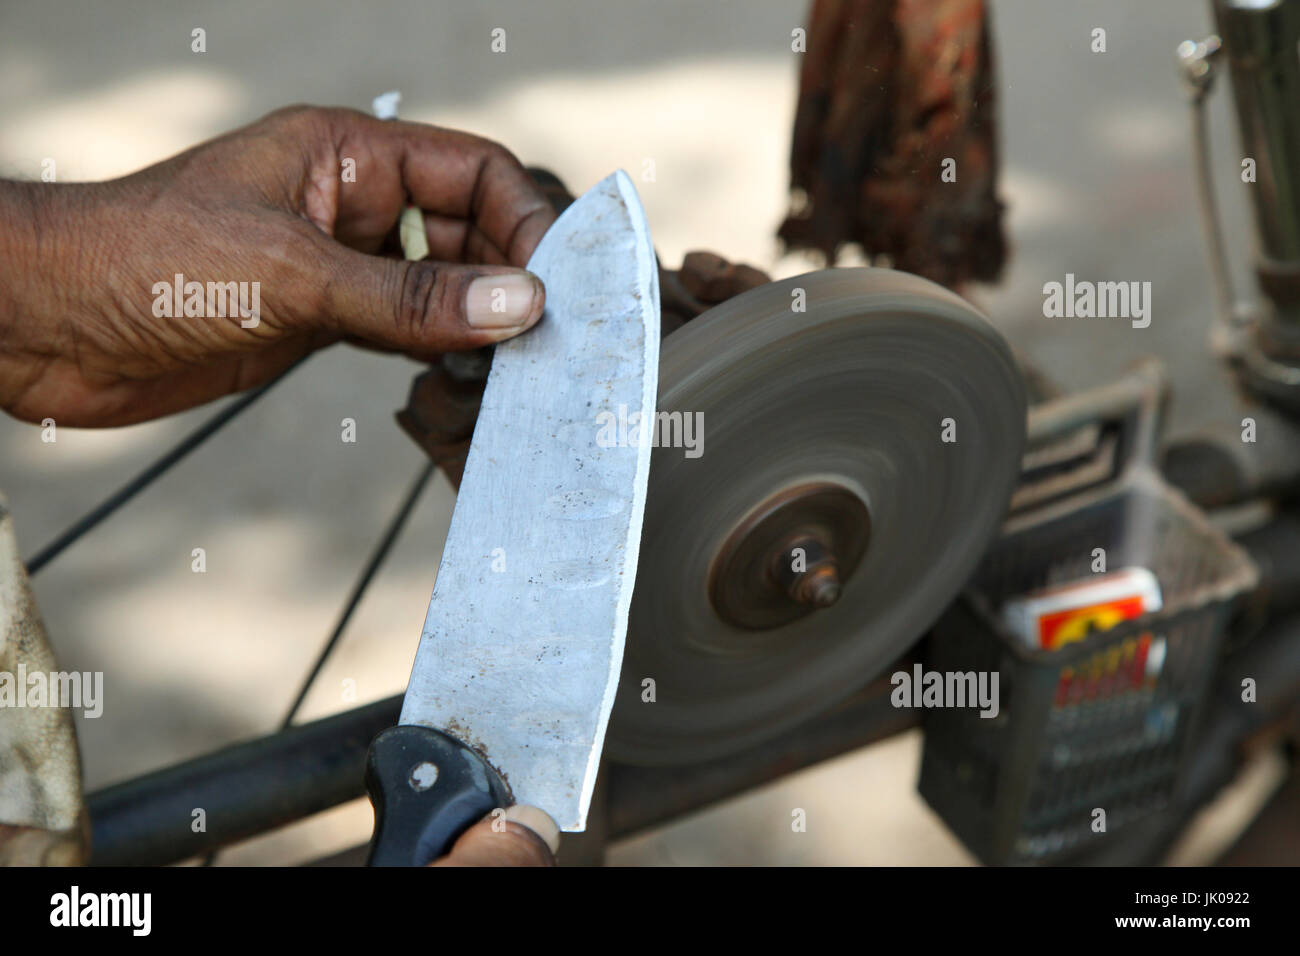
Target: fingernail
502 301
539 821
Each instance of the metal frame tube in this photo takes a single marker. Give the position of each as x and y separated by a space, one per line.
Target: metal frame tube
1260 39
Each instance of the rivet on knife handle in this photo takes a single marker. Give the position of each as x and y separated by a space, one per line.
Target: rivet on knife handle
428 789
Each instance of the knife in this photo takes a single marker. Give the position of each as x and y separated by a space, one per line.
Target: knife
516 670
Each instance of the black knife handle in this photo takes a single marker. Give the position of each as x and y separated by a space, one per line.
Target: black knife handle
427 788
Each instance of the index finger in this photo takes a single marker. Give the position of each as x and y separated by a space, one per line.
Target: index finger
459 175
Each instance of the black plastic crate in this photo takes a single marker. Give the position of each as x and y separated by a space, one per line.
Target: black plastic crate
1094 723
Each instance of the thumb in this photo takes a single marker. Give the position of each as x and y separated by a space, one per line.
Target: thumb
427 306
518 836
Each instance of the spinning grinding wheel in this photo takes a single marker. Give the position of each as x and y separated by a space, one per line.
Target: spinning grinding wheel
826 523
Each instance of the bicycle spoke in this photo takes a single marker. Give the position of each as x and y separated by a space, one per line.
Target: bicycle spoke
149 475
377 556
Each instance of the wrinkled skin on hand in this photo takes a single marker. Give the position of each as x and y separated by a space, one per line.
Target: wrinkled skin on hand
79 340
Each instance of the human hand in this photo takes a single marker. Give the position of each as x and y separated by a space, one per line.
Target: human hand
304 203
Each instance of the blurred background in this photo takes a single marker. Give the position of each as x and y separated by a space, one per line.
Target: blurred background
1097 177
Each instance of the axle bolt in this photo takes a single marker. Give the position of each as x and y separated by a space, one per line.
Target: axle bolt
807 571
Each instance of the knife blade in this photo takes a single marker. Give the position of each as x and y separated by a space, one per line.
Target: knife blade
518 663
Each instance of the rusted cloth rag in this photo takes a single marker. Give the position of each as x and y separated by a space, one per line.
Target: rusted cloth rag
889 92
